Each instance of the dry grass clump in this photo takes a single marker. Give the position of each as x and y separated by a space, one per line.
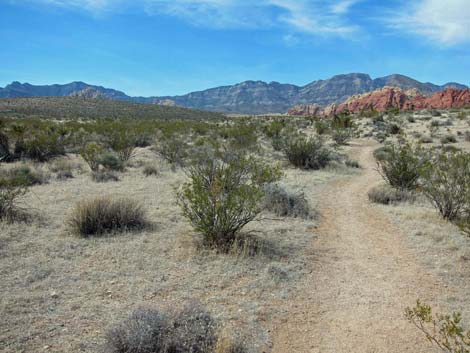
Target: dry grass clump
150 169
149 331
9 194
103 215
387 195
286 204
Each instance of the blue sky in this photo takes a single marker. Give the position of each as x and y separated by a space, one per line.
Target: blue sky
168 47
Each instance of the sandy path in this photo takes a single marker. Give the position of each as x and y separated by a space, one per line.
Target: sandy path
363 276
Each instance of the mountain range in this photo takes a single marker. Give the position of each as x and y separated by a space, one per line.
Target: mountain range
249 97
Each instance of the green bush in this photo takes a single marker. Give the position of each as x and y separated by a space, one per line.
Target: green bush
223 195
448 139
446 183
150 169
110 161
4 148
307 153
445 331
103 215
91 154
401 166
341 135
322 127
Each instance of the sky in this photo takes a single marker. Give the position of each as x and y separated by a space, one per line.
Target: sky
171 47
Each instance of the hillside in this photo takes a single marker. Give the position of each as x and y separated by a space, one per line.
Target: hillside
249 97
79 107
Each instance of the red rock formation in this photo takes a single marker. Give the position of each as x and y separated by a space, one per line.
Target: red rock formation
388 98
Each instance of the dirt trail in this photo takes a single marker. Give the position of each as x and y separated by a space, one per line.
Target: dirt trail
363 276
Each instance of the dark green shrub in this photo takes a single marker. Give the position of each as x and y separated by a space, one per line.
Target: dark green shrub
445 331
341 135
103 215
4 148
401 166
104 175
387 195
110 161
393 129
284 203
446 183
42 146
223 195
307 153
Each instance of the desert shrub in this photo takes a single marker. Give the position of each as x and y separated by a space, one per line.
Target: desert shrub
445 331
104 175
110 161
411 119
62 168
223 195
191 330
341 135
307 153
435 113
393 129
150 169
284 203
144 139
103 215
426 139
24 176
173 149
448 139
9 195
446 183
4 147
401 166
42 146
122 142
91 154
242 135
386 195
322 127
467 136
435 123
352 163
274 128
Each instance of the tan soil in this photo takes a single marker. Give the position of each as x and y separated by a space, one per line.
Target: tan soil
363 276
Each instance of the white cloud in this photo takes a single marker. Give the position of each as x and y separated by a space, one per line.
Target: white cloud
323 17
444 21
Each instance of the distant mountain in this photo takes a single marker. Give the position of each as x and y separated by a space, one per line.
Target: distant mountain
250 97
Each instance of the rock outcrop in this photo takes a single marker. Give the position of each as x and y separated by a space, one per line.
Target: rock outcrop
389 98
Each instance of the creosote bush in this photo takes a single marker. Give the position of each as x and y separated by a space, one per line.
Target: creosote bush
284 203
224 193
444 331
401 165
191 330
446 183
307 153
104 215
